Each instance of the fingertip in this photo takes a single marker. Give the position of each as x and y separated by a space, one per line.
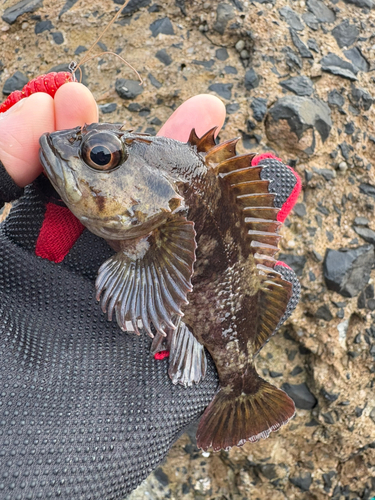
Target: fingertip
74 106
201 112
20 129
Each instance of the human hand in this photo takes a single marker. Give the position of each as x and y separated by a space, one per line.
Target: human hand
74 105
107 411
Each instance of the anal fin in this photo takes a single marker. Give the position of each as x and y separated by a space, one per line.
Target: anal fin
187 359
251 413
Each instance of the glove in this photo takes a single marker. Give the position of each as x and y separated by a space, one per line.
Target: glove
85 409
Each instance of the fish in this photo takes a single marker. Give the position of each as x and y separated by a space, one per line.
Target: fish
195 231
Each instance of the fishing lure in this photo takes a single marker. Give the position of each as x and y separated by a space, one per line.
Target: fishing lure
48 84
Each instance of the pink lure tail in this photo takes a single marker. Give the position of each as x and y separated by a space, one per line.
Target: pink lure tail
48 83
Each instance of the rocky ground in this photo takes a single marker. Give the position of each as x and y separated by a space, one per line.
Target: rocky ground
297 77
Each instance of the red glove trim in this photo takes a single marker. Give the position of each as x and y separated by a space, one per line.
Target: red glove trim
282 264
59 231
161 355
291 201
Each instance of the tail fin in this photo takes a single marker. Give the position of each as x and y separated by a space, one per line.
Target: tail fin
231 420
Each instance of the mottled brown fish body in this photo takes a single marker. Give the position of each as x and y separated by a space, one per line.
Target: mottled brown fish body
195 231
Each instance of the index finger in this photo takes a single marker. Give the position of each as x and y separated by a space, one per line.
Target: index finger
202 112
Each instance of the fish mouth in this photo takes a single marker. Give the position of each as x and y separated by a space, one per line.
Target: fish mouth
49 160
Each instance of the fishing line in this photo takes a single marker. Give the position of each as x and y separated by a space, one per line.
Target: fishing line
73 66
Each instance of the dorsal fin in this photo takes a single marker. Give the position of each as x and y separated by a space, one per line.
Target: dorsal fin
255 202
235 163
204 143
256 205
222 152
258 216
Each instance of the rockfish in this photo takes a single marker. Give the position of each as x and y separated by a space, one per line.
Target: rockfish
195 231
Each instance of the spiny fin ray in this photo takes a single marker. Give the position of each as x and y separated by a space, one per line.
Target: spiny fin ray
150 288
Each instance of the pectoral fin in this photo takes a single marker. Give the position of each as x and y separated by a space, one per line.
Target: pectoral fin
148 282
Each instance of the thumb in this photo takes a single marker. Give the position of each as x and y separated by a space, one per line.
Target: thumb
20 129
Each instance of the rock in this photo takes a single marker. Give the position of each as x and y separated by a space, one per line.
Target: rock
329 396
357 58
345 149
259 107
222 54
224 13
296 371
361 99
240 45
181 5
301 395
364 4
348 271
337 66
12 13
367 189
303 482
345 34
313 45
292 18
321 11
108 108
154 81
80 49
274 374
161 476
205 64
43 26
300 209
273 472
132 6
15 82
68 5
323 312
292 122
296 262
163 26
311 20
291 58
134 107
361 221
302 49
58 37
128 89
300 85
224 90
335 98
365 233
327 173
349 128
251 79
163 57
232 108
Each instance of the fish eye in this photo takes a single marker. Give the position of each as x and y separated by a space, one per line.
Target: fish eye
103 151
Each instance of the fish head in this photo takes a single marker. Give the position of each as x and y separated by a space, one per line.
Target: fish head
105 177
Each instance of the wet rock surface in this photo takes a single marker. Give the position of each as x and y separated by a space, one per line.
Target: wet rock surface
244 52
